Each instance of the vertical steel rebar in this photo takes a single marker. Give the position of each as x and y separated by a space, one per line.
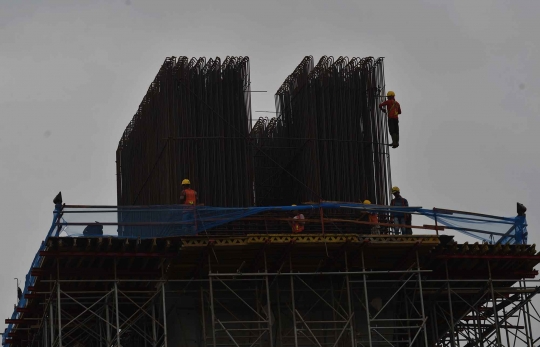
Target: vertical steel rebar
506 330
349 302
108 324
497 328
211 287
45 332
117 312
268 302
51 321
203 318
424 318
154 333
526 322
452 330
59 314
165 342
193 121
366 302
293 305
280 327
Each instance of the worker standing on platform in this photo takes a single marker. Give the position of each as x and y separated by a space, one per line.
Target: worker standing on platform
399 217
188 197
297 226
393 109
369 216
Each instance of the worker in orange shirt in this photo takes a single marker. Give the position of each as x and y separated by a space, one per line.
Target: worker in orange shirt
393 109
188 197
297 225
370 216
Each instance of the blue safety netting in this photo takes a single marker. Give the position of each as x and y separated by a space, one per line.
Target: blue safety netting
489 229
182 220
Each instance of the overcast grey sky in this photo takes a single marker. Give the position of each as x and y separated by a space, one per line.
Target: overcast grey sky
72 74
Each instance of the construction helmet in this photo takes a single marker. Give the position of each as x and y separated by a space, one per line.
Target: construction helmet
367 202
293 205
395 190
185 181
390 93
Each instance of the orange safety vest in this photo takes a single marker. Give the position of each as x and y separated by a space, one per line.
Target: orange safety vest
191 196
393 110
373 218
297 226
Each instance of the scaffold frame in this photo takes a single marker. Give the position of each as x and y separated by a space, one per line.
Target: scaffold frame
280 291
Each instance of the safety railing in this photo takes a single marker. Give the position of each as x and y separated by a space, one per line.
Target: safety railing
329 217
335 217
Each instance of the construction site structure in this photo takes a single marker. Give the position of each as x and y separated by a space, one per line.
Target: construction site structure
232 272
273 288
327 141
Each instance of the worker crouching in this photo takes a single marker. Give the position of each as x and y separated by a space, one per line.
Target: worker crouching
297 224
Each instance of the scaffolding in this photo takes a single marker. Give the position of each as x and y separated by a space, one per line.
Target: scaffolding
279 290
172 275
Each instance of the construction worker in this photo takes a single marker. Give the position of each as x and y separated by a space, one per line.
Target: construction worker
400 218
93 229
187 196
369 216
520 223
393 109
297 226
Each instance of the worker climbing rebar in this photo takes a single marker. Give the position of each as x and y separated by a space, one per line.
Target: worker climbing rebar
393 109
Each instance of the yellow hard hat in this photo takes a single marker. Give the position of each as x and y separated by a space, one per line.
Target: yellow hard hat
367 202
390 93
395 189
185 181
293 205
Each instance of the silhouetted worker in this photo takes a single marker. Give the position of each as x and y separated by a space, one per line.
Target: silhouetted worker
521 209
369 216
393 109
19 293
58 202
188 196
93 230
58 199
400 217
297 226
521 233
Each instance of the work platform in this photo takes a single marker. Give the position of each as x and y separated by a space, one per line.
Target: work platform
278 290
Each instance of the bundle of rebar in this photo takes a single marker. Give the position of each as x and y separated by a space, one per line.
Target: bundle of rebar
329 138
328 141
193 123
